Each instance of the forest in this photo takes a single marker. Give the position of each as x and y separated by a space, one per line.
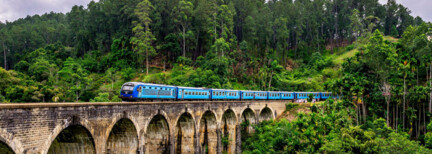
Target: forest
377 56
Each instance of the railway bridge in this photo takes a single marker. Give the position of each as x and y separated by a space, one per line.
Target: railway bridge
132 127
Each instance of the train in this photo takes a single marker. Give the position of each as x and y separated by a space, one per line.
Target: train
139 91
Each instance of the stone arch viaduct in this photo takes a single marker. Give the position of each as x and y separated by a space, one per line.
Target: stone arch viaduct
132 127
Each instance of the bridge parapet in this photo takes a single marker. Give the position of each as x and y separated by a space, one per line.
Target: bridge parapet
143 127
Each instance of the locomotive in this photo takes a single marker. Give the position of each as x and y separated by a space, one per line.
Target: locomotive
138 91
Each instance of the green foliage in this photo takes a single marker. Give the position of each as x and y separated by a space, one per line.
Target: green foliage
290 106
394 32
328 130
310 97
105 97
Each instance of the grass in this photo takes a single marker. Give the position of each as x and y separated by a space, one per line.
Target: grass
339 59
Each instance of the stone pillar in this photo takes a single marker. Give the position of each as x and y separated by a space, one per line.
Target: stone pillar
238 140
219 143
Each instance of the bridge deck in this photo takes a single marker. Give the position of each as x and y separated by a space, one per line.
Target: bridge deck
78 104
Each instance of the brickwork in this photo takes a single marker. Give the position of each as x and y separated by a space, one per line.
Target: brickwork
145 127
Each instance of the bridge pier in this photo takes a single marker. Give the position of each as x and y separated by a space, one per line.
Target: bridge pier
134 127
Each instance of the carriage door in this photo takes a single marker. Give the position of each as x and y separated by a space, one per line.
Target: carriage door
182 93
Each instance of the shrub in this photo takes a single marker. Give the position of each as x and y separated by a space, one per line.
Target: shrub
290 106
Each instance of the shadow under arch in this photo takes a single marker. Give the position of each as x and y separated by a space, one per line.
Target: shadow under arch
157 135
184 134
247 118
10 142
73 139
123 137
5 148
266 114
228 131
208 136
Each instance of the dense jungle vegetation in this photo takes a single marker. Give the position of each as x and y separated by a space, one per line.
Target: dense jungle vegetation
377 56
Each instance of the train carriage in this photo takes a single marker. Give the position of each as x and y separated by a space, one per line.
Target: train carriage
185 93
287 95
261 94
316 95
247 95
326 95
221 94
274 95
132 91
301 95
142 91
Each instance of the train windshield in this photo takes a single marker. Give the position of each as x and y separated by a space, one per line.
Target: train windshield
128 88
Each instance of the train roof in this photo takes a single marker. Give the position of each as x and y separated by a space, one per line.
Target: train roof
152 84
253 91
226 89
193 88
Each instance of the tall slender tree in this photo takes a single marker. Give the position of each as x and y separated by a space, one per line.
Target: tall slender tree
184 12
143 35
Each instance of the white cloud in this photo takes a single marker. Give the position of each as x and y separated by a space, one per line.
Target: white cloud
11 10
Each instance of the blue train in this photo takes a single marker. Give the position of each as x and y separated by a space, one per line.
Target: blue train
136 91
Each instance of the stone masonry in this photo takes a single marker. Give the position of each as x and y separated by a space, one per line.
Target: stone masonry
131 127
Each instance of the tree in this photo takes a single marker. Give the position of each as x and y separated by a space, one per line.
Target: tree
382 59
356 23
74 79
143 35
184 11
394 32
275 68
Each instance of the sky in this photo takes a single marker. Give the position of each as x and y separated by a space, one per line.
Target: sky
422 8
11 10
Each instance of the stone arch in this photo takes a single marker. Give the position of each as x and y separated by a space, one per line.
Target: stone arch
64 124
119 117
248 115
123 137
157 135
184 133
266 114
208 137
10 141
228 131
73 139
